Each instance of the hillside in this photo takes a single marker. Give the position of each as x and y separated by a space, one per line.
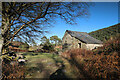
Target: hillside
105 33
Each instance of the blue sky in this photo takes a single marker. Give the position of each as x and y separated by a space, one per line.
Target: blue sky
102 14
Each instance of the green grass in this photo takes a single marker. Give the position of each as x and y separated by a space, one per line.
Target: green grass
41 65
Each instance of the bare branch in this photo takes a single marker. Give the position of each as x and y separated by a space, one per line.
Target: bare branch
39 16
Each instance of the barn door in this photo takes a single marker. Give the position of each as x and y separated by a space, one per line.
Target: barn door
79 45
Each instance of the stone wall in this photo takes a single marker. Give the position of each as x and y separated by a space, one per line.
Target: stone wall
72 42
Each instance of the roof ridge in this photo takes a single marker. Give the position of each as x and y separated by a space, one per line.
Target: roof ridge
75 31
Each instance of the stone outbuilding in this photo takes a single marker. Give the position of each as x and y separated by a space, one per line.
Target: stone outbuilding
74 39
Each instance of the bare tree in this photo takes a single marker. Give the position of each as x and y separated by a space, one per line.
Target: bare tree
26 21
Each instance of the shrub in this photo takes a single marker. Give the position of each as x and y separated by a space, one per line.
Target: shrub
12 71
11 68
96 66
112 45
48 47
76 53
103 63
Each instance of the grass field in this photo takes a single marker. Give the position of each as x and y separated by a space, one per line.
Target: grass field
41 65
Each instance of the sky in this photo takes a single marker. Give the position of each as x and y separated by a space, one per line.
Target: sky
102 15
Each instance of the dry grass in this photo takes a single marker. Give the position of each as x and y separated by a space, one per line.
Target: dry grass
100 63
13 71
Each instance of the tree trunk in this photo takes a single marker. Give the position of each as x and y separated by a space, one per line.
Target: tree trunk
5 46
5 37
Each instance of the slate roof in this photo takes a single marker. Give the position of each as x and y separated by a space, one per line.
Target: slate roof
84 37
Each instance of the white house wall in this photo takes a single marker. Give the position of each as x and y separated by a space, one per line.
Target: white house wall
92 46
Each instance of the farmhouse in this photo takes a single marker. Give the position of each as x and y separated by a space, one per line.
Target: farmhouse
74 39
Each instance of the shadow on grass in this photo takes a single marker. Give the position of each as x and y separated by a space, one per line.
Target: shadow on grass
39 71
56 60
35 53
40 68
82 72
59 74
30 53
